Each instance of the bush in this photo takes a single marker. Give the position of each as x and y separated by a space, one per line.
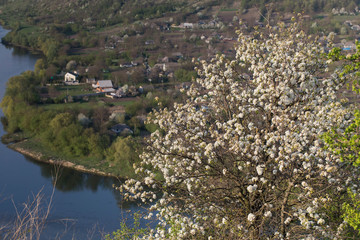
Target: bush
122 154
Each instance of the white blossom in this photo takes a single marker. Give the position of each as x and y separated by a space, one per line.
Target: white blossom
260 169
251 217
256 148
251 188
268 214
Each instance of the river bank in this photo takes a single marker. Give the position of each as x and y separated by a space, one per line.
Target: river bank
31 50
38 156
33 149
7 44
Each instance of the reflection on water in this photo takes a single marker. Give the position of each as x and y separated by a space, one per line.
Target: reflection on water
70 180
17 51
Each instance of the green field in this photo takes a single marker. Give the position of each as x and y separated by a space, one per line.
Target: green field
342 19
30 30
84 105
73 106
123 103
229 9
73 90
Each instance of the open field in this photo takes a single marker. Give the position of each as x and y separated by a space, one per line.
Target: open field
73 106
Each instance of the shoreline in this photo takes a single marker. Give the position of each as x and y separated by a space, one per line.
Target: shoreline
37 156
31 50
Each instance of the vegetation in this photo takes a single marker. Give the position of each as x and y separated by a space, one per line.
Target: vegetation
125 232
183 75
122 155
68 136
346 143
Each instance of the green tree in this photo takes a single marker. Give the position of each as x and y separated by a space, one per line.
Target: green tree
21 92
122 154
60 121
351 210
39 65
126 232
96 143
346 144
183 75
50 49
23 88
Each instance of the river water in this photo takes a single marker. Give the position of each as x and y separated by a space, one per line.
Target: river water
84 206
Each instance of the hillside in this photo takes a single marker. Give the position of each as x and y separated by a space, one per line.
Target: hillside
108 34
89 14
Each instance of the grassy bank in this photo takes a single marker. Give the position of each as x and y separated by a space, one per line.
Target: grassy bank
35 149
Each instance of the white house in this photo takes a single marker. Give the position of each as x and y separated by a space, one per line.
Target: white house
71 78
188 25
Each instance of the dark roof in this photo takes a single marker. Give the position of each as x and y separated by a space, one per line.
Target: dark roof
120 127
75 74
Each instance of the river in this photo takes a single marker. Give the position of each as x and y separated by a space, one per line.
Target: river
84 206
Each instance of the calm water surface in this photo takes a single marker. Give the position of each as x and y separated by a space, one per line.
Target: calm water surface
87 201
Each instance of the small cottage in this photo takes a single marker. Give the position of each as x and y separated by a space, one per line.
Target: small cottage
188 25
121 129
348 46
149 42
104 86
71 78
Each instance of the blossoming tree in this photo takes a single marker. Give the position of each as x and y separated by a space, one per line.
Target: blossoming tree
243 158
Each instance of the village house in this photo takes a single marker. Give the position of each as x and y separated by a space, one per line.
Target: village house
356 27
177 55
348 46
149 42
188 25
126 65
121 129
129 64
71 78
348 23
104 86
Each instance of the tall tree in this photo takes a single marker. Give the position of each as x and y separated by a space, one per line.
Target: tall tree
242 159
